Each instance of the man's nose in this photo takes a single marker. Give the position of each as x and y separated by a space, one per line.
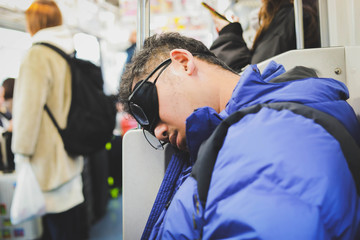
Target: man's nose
161 132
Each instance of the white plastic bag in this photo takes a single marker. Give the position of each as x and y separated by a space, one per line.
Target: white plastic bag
28 201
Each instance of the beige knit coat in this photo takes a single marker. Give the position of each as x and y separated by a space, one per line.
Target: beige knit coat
44 78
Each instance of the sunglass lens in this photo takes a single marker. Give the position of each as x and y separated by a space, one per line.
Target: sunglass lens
139 114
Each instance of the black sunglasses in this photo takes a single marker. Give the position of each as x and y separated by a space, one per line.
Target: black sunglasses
143 102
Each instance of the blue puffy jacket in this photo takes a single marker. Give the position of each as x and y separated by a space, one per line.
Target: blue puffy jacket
278 175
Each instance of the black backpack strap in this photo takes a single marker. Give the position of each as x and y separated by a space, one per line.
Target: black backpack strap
53 119
56 49
204 165
67 58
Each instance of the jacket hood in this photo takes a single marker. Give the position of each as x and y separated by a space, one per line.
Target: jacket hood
60 36
254 88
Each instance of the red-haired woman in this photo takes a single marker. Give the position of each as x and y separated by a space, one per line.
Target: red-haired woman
45 78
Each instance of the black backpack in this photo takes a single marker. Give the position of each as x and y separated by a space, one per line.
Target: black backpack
92 114
207 155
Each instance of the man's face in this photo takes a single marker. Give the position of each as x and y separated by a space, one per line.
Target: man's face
174 104
174 108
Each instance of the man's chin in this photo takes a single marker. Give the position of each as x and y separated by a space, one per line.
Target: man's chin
183 147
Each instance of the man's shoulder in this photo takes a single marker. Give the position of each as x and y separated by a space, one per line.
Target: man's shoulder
263 142
267 129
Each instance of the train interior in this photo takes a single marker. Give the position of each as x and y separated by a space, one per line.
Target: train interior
125 178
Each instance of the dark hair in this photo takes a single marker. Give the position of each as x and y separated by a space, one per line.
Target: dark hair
8 85
156 49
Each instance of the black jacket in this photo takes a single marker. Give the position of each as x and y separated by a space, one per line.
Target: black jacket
278 38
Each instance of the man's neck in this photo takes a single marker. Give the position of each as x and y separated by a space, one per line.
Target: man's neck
226 88
215 87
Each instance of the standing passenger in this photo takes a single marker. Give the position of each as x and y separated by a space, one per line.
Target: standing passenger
8 87
45 78
6 99
275 35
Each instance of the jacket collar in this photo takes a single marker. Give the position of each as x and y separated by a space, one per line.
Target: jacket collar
255 87
199 126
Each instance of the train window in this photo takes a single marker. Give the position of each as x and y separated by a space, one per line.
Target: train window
87 47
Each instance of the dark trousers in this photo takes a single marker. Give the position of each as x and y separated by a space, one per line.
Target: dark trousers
69 225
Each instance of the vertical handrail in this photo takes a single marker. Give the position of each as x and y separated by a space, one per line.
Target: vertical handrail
299 24
352 12
324 23
143 22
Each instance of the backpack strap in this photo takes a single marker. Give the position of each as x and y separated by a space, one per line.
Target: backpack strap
47 109
209 150
56 49
67 58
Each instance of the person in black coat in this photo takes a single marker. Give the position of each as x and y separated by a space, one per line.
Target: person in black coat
6 96
275 35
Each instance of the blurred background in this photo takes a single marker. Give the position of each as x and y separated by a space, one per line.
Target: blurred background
102 28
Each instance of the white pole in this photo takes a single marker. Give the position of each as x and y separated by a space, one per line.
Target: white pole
299 25
324 23
143 22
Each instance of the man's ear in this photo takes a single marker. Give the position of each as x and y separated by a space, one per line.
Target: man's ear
184 58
